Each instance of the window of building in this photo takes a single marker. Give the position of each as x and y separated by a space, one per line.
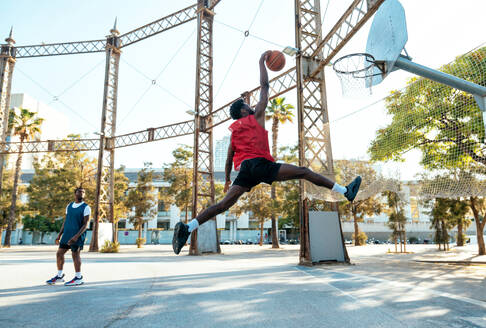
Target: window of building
163 225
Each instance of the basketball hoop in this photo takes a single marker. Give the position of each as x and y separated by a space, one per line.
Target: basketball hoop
356 72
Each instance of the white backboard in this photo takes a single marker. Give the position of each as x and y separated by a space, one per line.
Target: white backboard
387 37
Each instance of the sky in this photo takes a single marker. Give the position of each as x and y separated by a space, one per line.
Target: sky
438 31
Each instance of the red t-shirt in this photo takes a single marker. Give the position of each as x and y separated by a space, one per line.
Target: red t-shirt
249 140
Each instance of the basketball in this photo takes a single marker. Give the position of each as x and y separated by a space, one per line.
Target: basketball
276 61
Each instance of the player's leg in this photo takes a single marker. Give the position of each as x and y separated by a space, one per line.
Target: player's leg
78 278
182 231
60 258
231 197
290 172
77 260
59 277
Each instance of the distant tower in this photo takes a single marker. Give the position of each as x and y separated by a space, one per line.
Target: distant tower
220 153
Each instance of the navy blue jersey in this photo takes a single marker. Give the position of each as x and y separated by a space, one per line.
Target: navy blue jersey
74 222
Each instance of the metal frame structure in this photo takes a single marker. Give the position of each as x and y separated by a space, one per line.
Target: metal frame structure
308 77
313 121
7 64
105 177
203 176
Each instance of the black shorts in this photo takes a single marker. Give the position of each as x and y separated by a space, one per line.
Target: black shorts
73 248
256 170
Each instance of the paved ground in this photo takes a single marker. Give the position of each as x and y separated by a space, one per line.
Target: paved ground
248 286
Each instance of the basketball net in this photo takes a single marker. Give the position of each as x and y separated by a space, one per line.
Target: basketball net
355 72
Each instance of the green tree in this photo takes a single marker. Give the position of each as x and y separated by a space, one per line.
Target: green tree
444 124
6 199
26 125
141 200
471 185
120 208
258 201
289 190
4 157
458 210
41 224
396 218
55 178
478 207
280 113
356 210
179 175
440 222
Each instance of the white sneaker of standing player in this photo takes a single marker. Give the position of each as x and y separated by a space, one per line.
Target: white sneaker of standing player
75 281
55 279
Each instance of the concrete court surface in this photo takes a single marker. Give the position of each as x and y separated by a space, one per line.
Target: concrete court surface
247 286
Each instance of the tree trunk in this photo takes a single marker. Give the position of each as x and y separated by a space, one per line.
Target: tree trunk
401 237
356 230
1 232
274 222
273 191
115 232
261 233
460 236
140 224
404 240
479 227
13 205
396 248
445 236
186 214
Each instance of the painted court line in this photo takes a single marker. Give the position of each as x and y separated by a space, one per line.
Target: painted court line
401 284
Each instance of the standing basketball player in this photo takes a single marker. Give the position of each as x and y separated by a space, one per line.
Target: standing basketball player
249 152
73 232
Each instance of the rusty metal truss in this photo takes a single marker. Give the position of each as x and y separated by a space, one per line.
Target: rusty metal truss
82 47
353 19
105 176
124 140
64 48
166 23
203 193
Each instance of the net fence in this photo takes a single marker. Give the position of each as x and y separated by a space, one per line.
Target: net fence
426 136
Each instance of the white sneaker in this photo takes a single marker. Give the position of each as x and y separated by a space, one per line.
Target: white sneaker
53 281
75 281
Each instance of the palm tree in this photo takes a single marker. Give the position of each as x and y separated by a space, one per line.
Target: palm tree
25 125
278 112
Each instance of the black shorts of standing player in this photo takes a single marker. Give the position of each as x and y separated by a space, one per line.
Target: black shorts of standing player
255 171
73 248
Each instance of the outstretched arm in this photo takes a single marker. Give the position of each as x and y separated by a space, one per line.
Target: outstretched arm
262 103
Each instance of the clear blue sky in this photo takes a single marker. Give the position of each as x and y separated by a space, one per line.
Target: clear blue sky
438 31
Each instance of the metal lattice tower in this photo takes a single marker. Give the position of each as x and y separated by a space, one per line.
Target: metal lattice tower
313 122
203 176
7 63
103 210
